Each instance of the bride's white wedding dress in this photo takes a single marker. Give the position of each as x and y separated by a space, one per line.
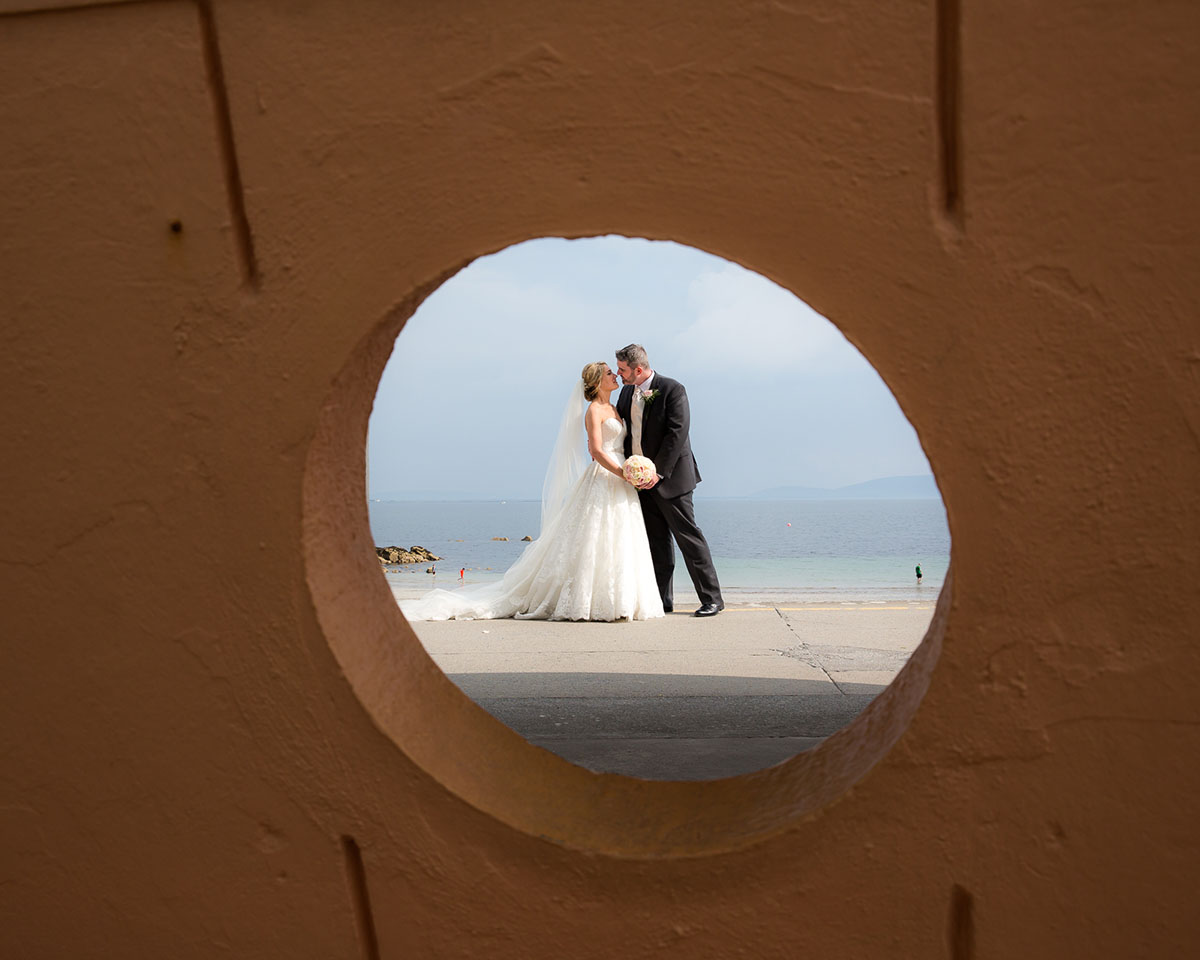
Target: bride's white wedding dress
591 562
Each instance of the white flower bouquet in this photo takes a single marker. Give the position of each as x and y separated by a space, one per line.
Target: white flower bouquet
639 470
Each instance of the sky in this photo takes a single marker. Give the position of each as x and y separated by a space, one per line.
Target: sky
469 404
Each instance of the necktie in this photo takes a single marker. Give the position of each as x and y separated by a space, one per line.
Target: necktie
635 415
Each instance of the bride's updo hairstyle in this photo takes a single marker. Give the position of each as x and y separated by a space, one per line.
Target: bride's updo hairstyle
592 374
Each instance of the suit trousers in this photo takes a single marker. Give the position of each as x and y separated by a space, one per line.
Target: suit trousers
674 516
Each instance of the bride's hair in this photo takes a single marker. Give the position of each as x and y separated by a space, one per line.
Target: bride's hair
592 374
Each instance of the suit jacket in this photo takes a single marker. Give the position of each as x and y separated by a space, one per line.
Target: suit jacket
665 424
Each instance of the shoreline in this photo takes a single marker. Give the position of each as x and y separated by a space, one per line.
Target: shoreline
736 598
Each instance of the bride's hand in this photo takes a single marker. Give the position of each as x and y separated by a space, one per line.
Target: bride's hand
650 484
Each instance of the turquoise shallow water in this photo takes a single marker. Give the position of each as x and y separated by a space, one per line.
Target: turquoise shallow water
854 551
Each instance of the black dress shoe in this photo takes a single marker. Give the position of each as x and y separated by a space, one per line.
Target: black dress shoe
709 610
668 607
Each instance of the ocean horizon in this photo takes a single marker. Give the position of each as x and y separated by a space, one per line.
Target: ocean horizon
765 551
909 487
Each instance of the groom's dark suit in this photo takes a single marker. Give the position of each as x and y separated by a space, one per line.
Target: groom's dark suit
667 508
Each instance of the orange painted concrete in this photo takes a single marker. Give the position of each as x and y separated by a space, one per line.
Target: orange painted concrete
206 685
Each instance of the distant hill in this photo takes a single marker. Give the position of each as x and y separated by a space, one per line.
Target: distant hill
884 488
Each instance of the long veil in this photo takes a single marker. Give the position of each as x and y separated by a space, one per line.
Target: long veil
555 577
568 460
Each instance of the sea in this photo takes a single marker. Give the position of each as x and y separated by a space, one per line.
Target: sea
765 551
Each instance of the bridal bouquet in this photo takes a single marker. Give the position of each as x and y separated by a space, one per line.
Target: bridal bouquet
639 470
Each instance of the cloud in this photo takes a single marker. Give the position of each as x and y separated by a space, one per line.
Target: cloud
481 371
743 324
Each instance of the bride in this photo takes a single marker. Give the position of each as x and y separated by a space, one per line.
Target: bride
592 559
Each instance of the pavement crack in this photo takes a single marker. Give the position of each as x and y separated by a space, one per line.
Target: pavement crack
811 660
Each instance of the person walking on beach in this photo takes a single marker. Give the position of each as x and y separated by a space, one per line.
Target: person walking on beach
919 574
656 409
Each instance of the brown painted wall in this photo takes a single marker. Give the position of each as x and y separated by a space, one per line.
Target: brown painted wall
205 685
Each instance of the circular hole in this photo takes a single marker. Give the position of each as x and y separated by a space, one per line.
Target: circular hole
816 501
464 747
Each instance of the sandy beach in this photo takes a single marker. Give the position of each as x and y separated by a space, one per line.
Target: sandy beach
681 697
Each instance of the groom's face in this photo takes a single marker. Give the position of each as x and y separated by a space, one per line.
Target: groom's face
626 373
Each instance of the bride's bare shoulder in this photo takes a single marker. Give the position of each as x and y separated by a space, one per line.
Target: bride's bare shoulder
601 411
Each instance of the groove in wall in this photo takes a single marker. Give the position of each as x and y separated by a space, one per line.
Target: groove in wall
233 176
356 877
949 108
961 930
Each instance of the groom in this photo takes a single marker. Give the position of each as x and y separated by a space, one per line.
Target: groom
656 411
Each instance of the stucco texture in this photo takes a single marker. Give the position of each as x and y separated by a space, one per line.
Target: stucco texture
206 685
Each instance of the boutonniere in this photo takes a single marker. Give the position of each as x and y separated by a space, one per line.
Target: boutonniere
649 396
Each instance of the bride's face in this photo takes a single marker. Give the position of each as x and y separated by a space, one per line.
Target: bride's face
609 380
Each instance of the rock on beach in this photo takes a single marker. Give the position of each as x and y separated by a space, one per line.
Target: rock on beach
389 555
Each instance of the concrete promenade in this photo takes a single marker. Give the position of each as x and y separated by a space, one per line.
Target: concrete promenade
681 698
